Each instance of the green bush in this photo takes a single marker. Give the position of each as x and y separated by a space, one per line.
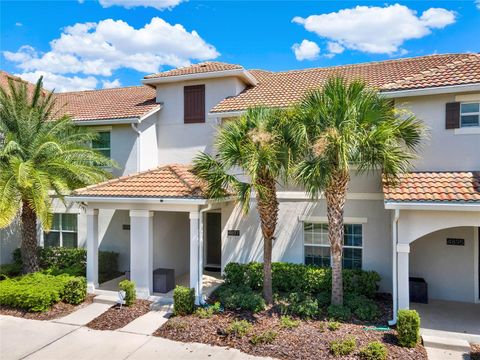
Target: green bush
183 300
240 298
130 292
362 307
300 305
324 299
339 312
343 347
374 351
209 311
75 290
287 322
333 325
408 328
239 328
267 337
10 270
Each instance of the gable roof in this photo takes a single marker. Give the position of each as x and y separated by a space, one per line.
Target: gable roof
5 77
279 89
170 181
200 68
436 187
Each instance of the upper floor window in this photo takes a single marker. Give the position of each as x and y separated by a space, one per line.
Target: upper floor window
102 143
63 232
470 114
194 104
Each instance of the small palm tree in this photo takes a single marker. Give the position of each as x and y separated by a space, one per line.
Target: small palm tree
252 153
40 155
348 126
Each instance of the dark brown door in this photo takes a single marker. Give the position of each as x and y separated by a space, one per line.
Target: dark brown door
214 239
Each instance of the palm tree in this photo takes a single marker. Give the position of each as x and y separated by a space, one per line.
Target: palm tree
41 155
252 153
344 127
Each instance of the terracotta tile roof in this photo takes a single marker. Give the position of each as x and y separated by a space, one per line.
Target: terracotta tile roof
451 187
286 88
171 181
4 76
203 67
119 103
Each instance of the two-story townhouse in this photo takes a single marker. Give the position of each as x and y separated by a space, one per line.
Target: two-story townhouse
426 227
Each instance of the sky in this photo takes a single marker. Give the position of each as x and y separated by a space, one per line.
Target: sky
94 44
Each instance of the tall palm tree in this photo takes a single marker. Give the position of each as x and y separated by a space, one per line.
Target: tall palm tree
41 154
344 127
252 152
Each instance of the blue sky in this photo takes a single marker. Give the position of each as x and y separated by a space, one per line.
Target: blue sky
107 43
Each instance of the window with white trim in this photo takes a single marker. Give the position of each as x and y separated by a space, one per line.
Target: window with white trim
469 114
63 232
102 143
317 246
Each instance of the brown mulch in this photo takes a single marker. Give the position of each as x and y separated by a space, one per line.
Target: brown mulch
310 340
475 352
117 317
58 310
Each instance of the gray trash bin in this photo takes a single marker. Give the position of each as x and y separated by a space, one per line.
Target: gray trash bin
163 280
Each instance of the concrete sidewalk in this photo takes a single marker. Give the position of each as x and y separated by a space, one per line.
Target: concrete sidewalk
34 339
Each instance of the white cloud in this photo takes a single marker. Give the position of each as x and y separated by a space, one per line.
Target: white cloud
59 82
306 50
477 2
107 84
381 30
157 4
18 24
335 48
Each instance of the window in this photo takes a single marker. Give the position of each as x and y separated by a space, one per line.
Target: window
102 143
63 232
469 114
317 246
194 104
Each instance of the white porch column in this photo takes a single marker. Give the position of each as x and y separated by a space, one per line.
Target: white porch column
141 251
403 272
92 250
194 255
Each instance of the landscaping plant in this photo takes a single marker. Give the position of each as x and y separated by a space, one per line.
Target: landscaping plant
239 328
240 298
343 347
408 328
287 322
374 351
183 300
333 325
339 312
130 292
42 153
75 290
266 337
346 126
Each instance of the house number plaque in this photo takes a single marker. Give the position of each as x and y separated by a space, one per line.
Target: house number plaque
455 242
233 232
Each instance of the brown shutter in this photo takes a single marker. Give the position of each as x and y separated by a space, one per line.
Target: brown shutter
194 104
452 115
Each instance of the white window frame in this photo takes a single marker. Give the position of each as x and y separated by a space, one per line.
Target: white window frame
323 220
61 230
106 130
469 113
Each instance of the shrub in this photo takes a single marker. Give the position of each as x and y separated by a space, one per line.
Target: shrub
107 266
130 292
362 307
339 312
183 300
333 325
267 337
324 299
239 328
343 347
374 351
10 270
408 328
75 290
240 298
208 311
301 305
288 323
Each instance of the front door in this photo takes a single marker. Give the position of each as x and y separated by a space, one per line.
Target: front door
214 240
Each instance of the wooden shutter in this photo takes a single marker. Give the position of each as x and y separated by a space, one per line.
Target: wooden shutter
452 115
194 104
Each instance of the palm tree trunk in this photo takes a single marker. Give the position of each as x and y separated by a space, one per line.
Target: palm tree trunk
335 195
267 206
29 240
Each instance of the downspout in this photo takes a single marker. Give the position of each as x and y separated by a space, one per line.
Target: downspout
135 128
396 216
200 252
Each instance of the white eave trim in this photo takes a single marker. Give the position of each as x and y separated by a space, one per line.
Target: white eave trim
226 114
431 90
133 200
241 73
300 195
432 206
117 121
324 219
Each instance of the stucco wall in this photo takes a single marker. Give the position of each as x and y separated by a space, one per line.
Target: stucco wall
9 241
448 270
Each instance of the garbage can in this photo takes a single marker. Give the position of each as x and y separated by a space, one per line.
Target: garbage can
163 280
418 290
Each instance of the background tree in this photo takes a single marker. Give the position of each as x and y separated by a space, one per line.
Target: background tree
344 127
41 155
252 153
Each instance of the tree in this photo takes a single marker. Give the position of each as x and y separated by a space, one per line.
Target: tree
344 127
252 153
41 154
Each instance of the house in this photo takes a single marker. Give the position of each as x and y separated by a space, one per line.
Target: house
155 214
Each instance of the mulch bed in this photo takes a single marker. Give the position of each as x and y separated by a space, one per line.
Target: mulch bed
117 317
58 310
475 352
310 340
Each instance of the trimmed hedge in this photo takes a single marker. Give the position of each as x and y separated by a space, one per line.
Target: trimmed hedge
130 292
240 298
408 328
38 292
183 300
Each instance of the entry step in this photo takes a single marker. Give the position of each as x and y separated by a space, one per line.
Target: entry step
446 343
105 299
